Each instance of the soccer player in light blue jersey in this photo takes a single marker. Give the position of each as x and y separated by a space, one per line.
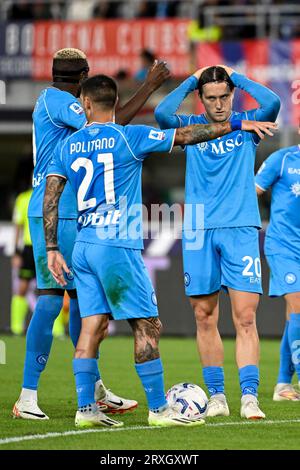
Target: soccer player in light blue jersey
57 114
281 173
103 164
220 177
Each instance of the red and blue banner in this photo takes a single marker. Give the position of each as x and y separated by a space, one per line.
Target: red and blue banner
26 51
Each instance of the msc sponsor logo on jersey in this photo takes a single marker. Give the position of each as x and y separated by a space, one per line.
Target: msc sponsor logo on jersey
36 180
294 171
290 278
157 135
220 147
76 108
295 188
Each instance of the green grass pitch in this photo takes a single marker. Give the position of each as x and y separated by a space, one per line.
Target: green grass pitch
57 398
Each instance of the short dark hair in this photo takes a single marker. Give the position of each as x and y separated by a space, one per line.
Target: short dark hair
102 90
214 74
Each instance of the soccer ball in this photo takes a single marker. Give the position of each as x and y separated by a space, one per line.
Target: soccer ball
188 399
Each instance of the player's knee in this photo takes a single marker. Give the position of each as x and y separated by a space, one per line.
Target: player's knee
102 331
205 319
245 318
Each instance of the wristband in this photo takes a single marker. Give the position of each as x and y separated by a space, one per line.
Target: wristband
236 124
52 248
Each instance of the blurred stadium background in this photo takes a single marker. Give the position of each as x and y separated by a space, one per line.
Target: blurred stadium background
260 39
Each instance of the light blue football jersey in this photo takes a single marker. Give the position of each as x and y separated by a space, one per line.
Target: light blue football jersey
220 178
103 163
56 115
281 173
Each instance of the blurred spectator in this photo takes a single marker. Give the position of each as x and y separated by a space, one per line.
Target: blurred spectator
103 9
199 30
167 9
122 75
146 9
80 10
147 59
41 10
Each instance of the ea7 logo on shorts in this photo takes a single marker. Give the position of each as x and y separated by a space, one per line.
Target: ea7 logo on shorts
76 108
290 278
187 279
157 135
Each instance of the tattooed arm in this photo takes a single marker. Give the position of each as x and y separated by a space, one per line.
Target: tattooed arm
194 134
56 263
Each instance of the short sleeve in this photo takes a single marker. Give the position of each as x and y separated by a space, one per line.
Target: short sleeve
71 114
64 110
56 166
143 140
270 171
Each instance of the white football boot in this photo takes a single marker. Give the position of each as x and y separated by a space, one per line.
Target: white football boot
171 417
284 392
28 409
89 418
250 408
217 406
108 402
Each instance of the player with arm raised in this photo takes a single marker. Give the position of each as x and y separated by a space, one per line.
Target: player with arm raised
57 114
103 165
222 181
281 173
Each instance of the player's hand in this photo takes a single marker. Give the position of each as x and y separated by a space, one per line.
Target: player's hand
16 261
57 266
199 72
259 127
229 70
157 75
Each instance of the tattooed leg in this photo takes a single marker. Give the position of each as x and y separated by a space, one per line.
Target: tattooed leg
146 337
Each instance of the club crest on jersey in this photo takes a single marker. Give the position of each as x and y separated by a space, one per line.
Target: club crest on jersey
76 108
202 146
157 135
295 188
290 278
187 279
153 298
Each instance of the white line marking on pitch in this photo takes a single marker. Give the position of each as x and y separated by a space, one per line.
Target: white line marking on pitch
35 437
